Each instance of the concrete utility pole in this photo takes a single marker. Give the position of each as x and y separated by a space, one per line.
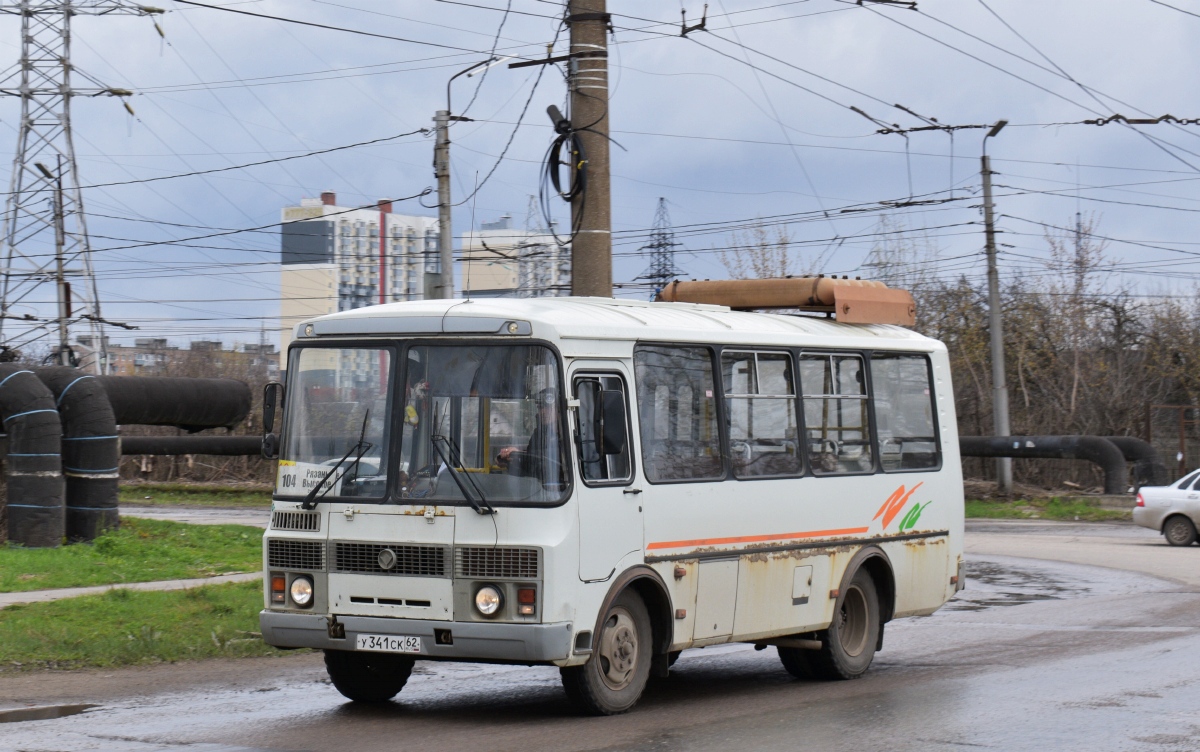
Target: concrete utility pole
443 285
60 277
591 210
995 327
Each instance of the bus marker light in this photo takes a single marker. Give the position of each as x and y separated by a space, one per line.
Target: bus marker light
526 601
680 573
681 613
834 593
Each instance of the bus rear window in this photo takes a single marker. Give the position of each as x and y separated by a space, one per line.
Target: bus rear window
904 412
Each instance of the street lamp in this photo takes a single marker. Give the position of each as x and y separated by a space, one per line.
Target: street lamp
441 170
996 331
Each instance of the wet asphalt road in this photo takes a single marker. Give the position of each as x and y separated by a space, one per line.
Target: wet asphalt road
1034 655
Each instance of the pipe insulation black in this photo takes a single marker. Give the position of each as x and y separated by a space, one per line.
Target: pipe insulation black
33 466
1148 468
1094 449
190 404
228 446
91 455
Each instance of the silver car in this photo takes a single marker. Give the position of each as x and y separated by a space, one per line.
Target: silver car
1172 510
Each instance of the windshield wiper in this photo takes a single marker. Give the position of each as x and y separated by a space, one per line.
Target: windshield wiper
362 446
457 473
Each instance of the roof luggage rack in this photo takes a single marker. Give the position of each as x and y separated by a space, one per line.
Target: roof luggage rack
851 301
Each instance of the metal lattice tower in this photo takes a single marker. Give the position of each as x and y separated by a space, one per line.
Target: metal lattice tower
531 254
543 267
662 247
44 197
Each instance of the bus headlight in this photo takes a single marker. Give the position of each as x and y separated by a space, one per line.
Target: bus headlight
302 592
488 600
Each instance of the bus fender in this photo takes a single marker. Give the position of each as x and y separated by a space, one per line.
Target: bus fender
876 562
649 585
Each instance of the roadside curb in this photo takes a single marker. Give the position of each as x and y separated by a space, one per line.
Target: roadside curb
43 596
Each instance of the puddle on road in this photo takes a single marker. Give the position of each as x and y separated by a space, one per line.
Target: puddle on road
991 584
42 712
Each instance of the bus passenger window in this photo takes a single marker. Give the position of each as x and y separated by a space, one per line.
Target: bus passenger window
598 407
760 400
677 410
837 438
904 412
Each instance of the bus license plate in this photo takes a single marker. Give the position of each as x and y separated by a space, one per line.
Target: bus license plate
389 643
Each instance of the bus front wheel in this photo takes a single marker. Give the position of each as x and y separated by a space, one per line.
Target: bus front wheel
848 645
368 677
613 678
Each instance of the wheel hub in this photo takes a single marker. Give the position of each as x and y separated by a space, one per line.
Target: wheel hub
618 649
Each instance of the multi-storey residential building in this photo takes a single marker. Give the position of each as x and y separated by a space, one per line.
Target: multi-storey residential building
338 258
500 261
155 356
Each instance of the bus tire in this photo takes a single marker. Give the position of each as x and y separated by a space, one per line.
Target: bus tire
848 645
795 661
614 677
1179 530
368 677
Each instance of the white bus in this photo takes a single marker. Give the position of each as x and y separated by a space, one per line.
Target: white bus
600 484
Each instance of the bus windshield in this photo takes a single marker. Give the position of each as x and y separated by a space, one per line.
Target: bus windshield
335 396
483 423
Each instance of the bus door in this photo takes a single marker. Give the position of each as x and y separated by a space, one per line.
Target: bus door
610 513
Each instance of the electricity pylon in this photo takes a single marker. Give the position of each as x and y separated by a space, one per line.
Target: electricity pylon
45 233
662 246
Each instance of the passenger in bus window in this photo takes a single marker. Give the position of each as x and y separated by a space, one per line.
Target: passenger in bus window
542 457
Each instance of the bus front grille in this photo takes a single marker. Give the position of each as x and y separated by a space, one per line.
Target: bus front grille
308 522
406 560
295 554
497 562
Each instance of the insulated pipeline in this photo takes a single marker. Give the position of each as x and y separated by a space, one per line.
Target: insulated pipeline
1094 449
90 452
228 446
1148 468
33 466
190 404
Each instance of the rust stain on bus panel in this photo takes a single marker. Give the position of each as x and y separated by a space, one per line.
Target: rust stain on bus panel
683 597
766 603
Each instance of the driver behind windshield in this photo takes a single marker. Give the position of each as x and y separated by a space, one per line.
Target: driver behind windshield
542 457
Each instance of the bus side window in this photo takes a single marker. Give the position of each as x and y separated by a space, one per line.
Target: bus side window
904 412
677 413
837 437
760 399
602 401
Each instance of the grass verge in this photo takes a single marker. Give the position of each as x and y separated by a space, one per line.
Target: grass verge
1045 509
140 551
181 494
126 627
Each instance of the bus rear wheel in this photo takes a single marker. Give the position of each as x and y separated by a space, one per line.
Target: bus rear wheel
848 645
616 674
368 677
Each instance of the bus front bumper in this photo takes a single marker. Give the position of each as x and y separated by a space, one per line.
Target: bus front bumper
518 643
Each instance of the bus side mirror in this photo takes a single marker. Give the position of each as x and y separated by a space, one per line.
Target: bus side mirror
270 396
270 443
612 419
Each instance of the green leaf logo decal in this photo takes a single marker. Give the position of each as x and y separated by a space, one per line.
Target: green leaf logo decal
914 514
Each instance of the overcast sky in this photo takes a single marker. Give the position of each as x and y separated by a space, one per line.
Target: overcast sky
751 119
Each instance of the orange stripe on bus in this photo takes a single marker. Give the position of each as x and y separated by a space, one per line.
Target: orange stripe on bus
756 538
